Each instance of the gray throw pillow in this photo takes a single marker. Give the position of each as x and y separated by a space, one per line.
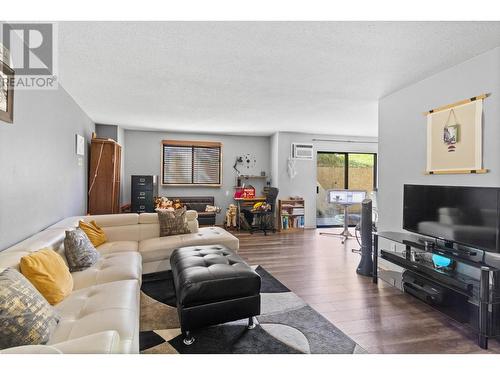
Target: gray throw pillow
80 252
26 318
173 222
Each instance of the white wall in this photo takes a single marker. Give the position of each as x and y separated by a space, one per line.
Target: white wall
143 156
402 131
41 180
304 184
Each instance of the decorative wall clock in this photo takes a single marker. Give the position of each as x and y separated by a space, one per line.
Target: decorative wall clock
249 161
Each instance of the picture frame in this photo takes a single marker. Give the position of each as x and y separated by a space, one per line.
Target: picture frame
454 138
6 93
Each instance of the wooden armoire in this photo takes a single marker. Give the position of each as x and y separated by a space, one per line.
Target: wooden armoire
104 177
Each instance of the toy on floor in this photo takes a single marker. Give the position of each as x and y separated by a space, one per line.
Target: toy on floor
231 216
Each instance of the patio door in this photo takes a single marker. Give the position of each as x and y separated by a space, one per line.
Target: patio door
342 170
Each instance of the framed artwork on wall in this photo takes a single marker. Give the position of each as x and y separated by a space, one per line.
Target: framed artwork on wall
454 138
6 93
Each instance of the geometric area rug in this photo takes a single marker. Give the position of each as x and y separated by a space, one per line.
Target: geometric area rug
287 325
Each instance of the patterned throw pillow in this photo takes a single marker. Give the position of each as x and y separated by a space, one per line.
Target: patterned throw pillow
80 252
173 222
26 318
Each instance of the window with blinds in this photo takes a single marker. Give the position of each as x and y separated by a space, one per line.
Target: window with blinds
191 163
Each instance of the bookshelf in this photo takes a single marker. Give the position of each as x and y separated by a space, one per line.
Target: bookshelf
291 214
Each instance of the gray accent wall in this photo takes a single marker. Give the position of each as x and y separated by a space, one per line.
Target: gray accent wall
143 156
402 131
42 180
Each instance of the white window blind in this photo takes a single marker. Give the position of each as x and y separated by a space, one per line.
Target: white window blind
197 163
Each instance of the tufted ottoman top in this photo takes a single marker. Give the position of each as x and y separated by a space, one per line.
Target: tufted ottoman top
204 274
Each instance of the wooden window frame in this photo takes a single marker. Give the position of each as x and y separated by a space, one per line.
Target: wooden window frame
190 144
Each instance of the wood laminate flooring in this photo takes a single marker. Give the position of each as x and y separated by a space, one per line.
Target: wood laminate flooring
380 318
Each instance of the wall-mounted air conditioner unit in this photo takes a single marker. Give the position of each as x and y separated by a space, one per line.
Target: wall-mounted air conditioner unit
302 151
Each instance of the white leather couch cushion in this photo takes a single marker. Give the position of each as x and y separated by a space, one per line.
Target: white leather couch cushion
118 247
110 267
158 248
150 231
122 233
148 218
114 220
111 306
31 349
210 236
107 342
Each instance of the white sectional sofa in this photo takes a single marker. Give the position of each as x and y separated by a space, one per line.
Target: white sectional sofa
101 315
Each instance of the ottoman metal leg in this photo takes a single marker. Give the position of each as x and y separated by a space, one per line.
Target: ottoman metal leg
188 338
251 323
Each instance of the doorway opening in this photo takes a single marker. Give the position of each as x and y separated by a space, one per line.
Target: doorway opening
342 170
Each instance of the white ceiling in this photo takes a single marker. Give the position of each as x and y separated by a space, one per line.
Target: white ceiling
255 77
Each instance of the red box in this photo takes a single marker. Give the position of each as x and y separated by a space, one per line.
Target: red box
248 192
238 193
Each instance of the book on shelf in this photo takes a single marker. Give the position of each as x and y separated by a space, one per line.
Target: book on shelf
288 222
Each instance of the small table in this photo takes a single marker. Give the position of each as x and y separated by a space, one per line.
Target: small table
345 234
245 202
344 198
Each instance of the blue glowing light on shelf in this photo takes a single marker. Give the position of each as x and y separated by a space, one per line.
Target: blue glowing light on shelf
440 261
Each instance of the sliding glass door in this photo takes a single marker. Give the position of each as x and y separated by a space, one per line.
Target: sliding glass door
342 170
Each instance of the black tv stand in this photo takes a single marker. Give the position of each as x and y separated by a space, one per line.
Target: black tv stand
471 297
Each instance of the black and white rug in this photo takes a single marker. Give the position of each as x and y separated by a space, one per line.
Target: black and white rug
286 325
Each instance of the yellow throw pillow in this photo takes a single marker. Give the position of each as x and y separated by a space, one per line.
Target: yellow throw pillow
46 270
94 232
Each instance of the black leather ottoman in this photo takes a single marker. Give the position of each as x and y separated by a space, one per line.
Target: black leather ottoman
213 285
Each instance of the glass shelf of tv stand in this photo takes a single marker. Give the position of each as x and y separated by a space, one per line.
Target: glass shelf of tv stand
418 259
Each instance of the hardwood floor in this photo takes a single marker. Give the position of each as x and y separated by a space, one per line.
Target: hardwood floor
378 317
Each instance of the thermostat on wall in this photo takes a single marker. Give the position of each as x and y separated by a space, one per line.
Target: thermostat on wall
80 145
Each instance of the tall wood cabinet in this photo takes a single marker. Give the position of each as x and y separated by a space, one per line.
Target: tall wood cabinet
104 177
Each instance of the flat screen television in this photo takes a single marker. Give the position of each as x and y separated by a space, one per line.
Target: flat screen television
459 214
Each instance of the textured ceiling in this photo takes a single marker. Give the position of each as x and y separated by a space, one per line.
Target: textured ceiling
255 77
